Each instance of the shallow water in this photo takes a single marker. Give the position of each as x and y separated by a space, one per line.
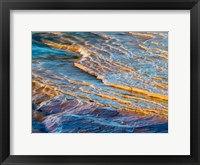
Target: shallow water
101 82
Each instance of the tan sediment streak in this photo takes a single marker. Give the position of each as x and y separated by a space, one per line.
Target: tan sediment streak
165 57
157 78
72 48
88 70
50 90
102 35
114 98
141 99
113 64
156 43
163 113
129 106
141 35
131 89
160 34
160 51
164 86
143 47
38 87
140 91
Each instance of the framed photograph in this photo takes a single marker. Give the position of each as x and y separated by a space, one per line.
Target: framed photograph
99 82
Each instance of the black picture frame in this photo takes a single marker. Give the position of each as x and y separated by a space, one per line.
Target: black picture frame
7 5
